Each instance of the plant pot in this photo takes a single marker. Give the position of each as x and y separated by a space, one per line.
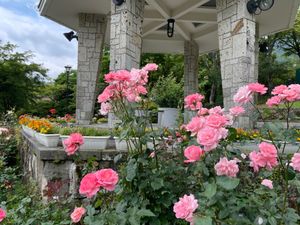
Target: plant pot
91 142
121 145
140 113
29 131
49 140
168 117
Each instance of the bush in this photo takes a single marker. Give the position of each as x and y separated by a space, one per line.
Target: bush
167 92
85 131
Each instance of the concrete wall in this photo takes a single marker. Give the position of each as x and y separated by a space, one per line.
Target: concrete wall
56 174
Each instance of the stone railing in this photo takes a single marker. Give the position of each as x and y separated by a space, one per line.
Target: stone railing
56 174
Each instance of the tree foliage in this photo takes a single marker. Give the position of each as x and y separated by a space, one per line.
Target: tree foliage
19 78
290 40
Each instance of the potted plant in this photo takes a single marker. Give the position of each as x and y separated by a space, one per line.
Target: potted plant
168 94
48 137
94 138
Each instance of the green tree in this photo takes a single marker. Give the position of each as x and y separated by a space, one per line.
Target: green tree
20 79
290 39
210 82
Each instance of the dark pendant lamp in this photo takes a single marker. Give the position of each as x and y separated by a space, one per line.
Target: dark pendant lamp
170 27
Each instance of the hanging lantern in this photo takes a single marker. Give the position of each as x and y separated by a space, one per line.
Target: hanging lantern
170 27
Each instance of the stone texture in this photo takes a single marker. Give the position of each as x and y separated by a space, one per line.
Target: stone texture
238 46
191 55
56 174
126 34
91 35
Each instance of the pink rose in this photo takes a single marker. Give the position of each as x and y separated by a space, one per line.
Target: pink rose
275 100
107 178
257 88
150 67
266 157
193 153
185 207
256 161
216 110
295 162
227 168
209 138
152 155
89 185
243 95
72 143
216 121
2 214
105 108
105 95
269 154
77 214
202 111
195 125
290 95
267 183
279 89
236 111
193 101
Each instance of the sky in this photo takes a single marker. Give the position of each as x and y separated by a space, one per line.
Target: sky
22 25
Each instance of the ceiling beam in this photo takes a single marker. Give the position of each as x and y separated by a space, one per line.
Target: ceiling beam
166 13
204 31
152 15
187 7
183 32
161 8
161 36
152 27
198 18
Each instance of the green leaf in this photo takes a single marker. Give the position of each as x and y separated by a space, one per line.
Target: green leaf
145 213
210 190
290 174
203 220
157 183
272 221
131 170
227 182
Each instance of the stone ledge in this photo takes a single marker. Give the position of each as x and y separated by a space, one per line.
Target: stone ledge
58 153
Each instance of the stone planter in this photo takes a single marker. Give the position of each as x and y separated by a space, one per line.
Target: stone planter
49 140
167 117
29 131
91 142
121 145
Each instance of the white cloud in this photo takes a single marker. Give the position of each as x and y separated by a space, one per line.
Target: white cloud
40 35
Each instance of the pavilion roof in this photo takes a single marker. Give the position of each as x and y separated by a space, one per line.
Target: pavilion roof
195 19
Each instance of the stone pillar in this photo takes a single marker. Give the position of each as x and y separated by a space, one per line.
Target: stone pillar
91 36
238 55
191 56
126 34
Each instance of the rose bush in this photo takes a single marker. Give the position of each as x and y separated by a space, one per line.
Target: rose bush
215 183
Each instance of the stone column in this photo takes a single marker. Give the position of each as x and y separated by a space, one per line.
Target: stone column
126 34
191 56
91 35
238 55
